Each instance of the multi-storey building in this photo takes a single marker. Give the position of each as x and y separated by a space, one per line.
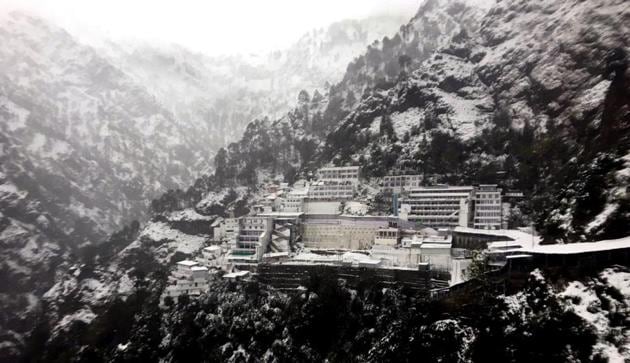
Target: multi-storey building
487 207
331 190
225 229
253 238
211 256
350 232
339 174
400 183
440 206
444 206
294 201
188 278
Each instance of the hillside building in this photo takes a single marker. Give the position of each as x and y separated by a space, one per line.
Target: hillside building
294 201
348 232
331 190
440 206
400 183
444 206
253 238
339 174
188 278
211 257
487 207
225 229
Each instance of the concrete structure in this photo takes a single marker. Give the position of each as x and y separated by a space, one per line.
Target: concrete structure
436 251
188 278
294 276
444 206
253 239
400 183
294 201
211 256
312 207
225 229
349 232
440 206
487 207
331 190
339 174
387 236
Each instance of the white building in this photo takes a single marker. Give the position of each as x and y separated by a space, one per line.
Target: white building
400 183
331 190
347 232
211 257
188 278
487 207
294 201
253 239
387 236
436 251
339 174
444 206
225 229
440 206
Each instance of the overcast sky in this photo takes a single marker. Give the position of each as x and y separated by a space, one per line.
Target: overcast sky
211 26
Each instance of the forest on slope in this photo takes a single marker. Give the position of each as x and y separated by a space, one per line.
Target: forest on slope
509 96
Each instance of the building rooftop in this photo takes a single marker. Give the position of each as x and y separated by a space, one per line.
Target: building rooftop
523 238
187 263
233 275
199 268
580 247
280 214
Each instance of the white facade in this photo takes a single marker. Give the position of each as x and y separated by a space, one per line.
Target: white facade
225 229
386 236
455 206
400 183
349 232
253 238
487 207
294 201
440 206
331 190
322 207
339 174
211 256
188 278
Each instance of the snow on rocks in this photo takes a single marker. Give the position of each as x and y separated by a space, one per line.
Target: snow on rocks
162 234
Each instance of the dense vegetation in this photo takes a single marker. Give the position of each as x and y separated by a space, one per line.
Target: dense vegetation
248 322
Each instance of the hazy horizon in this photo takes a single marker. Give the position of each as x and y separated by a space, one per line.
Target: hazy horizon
262 28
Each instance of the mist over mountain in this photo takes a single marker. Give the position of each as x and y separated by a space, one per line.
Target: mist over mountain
533 96
90 134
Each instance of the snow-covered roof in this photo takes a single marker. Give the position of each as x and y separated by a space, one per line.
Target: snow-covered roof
522 238
583 247
280 214
276 254
199 268
233 275
187 263
435 245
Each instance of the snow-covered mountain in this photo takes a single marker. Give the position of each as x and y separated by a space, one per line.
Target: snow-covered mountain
532 94
89 134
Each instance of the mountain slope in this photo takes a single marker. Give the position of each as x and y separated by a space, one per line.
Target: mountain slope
89 135
524 102
456 115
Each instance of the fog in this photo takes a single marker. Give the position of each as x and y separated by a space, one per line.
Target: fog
211 27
